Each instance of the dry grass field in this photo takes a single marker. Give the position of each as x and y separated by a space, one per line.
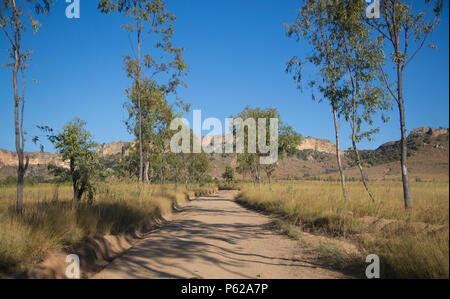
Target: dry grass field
410 245
50 222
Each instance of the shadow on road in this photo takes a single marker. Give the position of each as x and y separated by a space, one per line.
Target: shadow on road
212 235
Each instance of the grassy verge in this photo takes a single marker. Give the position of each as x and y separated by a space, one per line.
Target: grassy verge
410 245
49 221
228 186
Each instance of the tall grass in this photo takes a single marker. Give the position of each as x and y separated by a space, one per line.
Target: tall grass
413 245
50 221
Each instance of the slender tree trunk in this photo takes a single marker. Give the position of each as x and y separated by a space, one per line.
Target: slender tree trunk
176 173
75 196
254 175
338 155
358 157
361 169
258 174
146 168
20 180
79 196
18 132
161 172
138 83
403 142
141 154
74 181
20 175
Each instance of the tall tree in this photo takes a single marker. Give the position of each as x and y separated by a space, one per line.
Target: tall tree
149 19
360 57
156 115
15 19
403 25
314 24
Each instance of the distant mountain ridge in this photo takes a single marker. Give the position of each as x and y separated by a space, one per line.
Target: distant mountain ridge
9 158
315 158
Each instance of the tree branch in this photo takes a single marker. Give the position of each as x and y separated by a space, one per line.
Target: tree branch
386 82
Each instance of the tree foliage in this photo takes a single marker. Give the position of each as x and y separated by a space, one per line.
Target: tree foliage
288 142
76 147
228 174
149 20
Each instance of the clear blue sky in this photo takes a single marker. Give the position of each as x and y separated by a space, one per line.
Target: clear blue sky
237 53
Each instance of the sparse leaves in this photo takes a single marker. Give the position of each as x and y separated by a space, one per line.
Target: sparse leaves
148 19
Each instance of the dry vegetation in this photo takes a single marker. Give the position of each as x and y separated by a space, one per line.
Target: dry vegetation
410 245
50 222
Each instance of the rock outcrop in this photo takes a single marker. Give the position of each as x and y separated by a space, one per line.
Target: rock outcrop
318 145
9 158
432 132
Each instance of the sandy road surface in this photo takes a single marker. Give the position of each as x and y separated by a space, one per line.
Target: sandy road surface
213 237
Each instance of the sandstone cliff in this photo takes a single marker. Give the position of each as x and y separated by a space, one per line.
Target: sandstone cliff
318 145
9 158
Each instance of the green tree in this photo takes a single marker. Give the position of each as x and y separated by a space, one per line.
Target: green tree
228 174
242 169
247 164
360 56
198 166
404 25
189 167
15 19
156 115
149 18
288 142
314 24
175 165
75 146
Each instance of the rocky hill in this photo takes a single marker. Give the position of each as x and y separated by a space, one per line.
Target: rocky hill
8 158
428 151
428 147
318 145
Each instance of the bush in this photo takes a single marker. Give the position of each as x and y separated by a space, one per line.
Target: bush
228 186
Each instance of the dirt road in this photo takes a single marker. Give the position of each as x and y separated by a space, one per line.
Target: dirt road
214 237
